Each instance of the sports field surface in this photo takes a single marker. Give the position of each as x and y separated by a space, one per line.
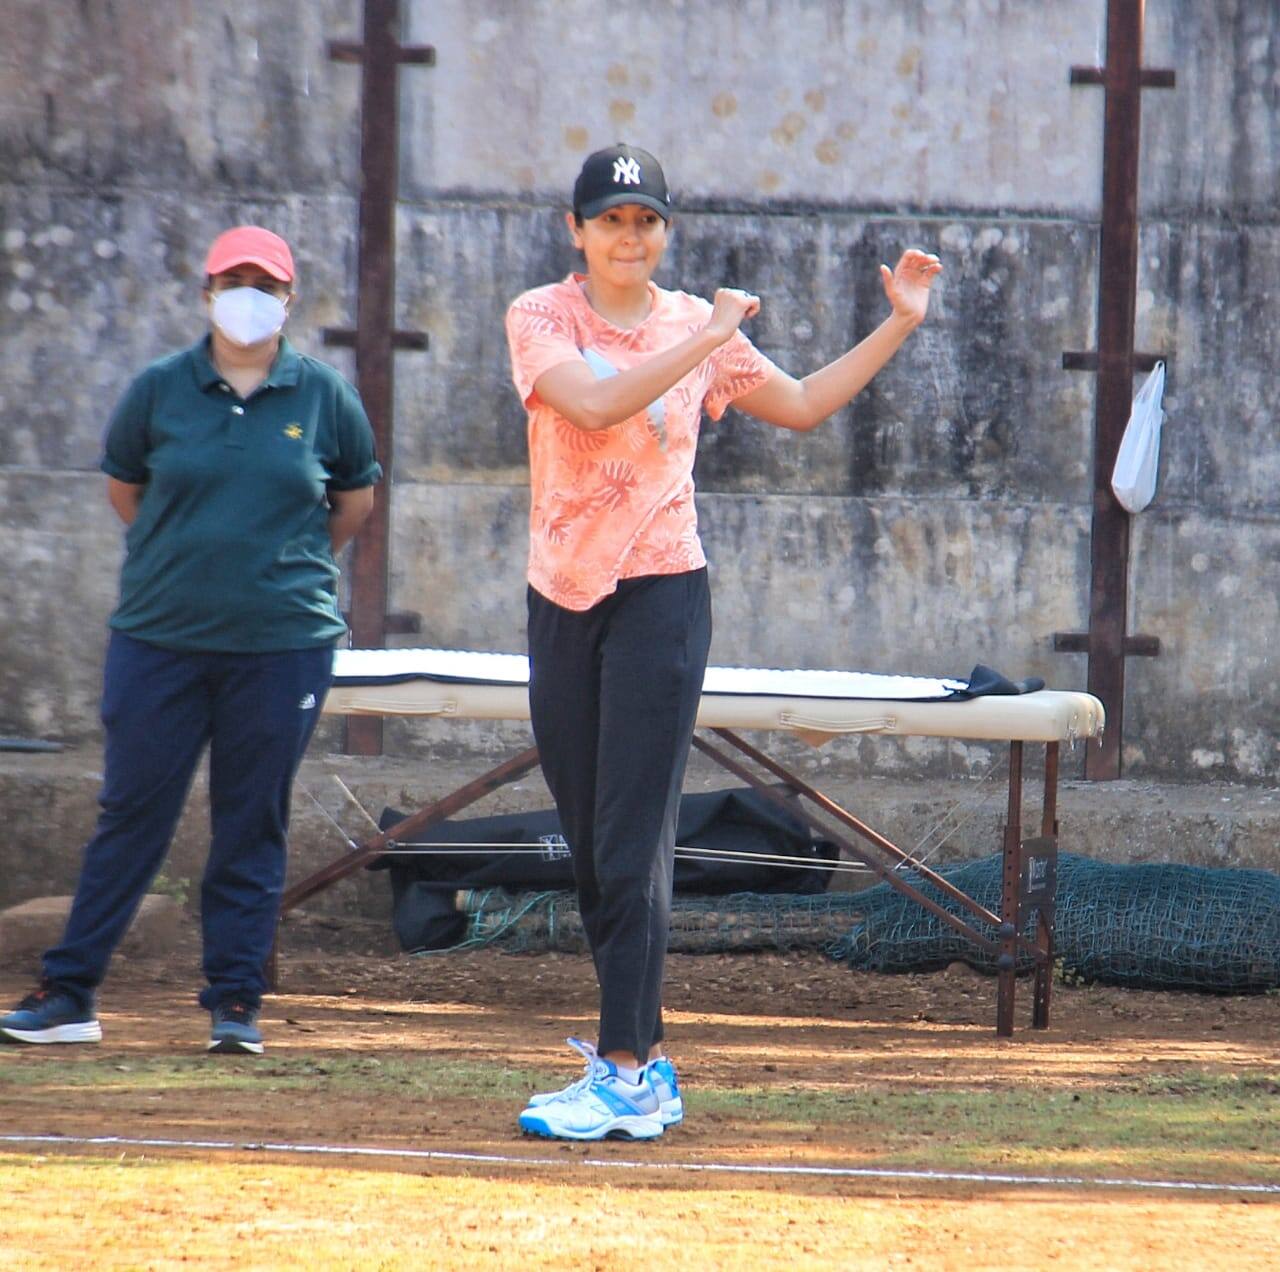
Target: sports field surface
833 1121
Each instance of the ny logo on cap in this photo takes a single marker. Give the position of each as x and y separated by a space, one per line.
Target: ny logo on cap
626 171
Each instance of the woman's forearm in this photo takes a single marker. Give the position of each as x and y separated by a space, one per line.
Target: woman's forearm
348 510
573 390
839 382
801 405
124 497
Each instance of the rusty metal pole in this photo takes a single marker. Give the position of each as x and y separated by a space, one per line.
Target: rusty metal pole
1107 642
375 337
1117 292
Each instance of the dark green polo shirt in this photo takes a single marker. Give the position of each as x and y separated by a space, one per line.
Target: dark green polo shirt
230 548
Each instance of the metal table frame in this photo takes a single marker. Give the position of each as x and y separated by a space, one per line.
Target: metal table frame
1028 883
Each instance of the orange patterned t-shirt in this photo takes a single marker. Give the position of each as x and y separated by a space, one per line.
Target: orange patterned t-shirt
618 502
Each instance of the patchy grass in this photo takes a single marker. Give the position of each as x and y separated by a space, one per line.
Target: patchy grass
333 1075
1193 1124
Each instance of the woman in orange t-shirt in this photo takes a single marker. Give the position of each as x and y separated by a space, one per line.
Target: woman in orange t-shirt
615 373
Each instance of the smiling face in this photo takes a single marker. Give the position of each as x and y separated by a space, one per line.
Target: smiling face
622 246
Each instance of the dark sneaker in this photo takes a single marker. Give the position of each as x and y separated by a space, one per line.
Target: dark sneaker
235 1028
50 1015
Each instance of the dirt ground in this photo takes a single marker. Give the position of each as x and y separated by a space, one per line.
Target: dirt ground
735 1023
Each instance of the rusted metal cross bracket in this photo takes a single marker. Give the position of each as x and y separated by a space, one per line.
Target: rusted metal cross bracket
375 337
1107 641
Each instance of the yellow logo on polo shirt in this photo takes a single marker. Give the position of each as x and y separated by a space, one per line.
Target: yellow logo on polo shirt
293 430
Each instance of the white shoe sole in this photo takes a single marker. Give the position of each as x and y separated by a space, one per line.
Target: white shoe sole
670 1112
231 1046
85 1031
631 1128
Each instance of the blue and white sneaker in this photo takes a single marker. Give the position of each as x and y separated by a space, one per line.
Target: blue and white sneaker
235 1029
50 1014
599 1105
660 1074
575 1087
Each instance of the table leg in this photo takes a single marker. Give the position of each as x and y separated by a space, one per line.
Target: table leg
1010 895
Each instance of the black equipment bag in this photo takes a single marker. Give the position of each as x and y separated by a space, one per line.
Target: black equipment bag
737 821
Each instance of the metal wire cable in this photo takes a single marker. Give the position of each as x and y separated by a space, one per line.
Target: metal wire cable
974 805
416 848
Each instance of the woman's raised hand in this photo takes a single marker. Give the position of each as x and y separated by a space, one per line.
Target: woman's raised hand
730 308
907 286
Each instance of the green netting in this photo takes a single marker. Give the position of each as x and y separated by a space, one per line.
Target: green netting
1146 926
741 921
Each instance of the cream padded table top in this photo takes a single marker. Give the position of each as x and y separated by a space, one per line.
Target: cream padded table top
817 705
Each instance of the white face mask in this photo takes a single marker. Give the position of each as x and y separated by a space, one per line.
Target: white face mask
247 316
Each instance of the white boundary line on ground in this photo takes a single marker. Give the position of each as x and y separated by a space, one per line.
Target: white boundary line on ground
728 1168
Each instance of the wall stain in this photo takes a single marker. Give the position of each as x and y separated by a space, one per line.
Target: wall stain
826 151
723 105
788 129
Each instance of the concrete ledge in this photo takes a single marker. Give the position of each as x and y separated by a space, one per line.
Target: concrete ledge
48 808
28 929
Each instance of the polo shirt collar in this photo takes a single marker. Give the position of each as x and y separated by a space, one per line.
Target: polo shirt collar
206 373
283 374
286 368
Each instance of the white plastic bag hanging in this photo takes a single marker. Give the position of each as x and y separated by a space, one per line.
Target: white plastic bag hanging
1133 479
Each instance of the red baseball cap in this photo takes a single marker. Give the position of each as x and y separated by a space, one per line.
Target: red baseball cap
250 245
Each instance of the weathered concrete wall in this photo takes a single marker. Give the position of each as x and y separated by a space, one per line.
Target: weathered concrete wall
838 102
943 519
51 802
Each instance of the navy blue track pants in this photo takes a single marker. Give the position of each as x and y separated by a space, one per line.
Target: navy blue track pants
160 708
613 694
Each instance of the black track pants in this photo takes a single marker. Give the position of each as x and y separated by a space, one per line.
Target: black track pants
613 693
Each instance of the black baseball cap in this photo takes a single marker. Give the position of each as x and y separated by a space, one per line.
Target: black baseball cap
620 174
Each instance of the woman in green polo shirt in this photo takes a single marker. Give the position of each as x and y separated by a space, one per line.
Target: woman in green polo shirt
240 468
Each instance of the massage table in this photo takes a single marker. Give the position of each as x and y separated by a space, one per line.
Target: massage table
816 706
